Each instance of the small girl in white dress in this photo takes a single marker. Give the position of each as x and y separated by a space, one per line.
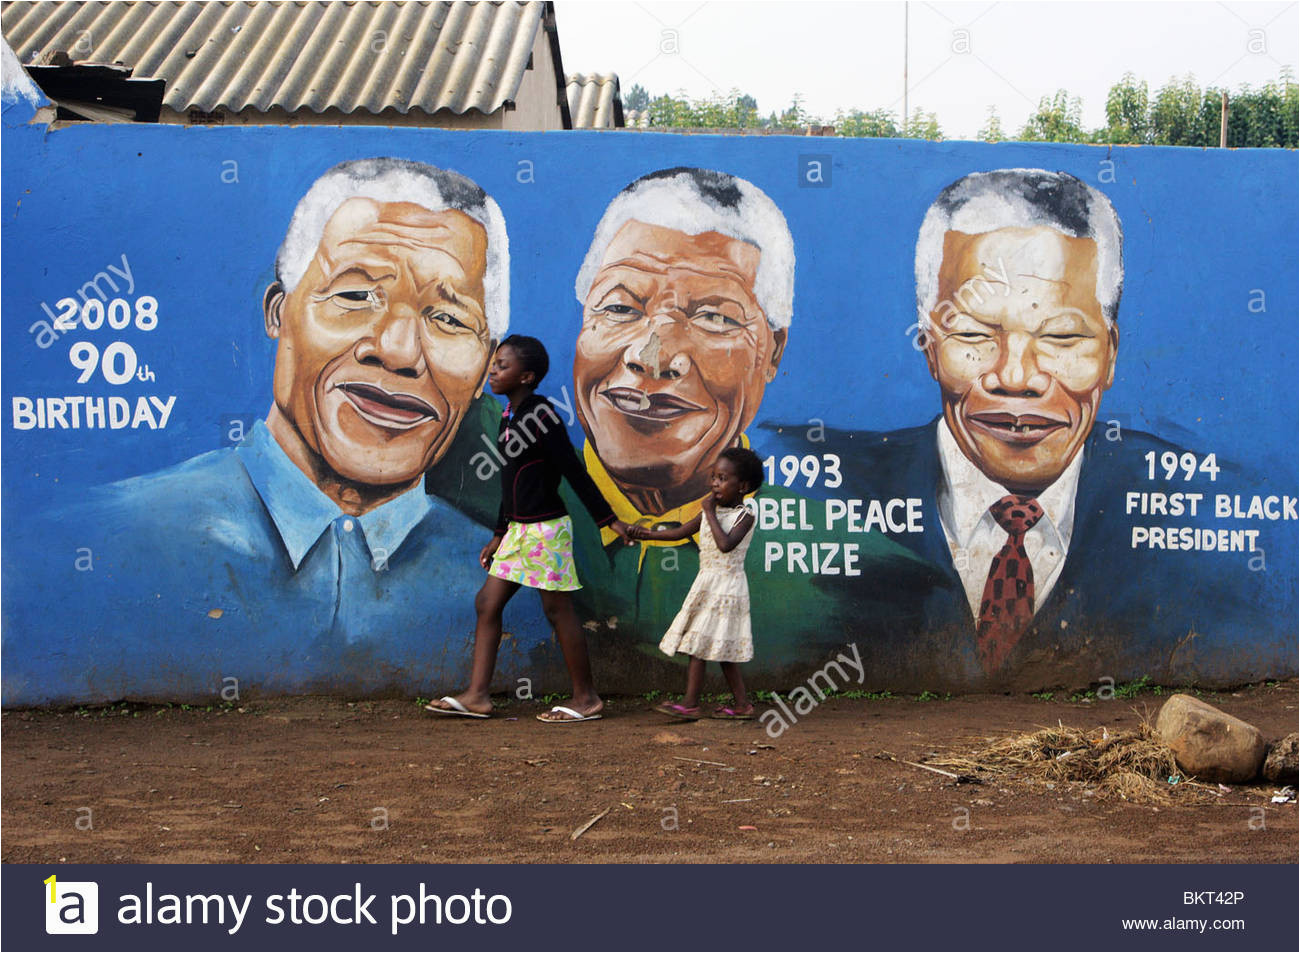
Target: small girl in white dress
713 624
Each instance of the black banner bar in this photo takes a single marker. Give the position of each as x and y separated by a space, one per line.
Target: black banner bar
650 907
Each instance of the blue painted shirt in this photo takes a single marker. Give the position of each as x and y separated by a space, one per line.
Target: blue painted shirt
234 565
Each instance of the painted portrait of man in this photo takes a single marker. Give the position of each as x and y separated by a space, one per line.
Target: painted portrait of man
310 554
1019 275
687 296
1021 336
384 316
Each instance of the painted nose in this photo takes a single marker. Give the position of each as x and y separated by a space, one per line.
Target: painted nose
658 354
395 342
1017 373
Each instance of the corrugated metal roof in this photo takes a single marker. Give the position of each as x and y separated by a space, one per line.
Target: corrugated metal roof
399 54
594 100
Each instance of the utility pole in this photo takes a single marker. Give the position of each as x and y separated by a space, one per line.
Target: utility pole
1223 122
905 12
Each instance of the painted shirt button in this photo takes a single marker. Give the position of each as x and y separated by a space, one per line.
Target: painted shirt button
347 526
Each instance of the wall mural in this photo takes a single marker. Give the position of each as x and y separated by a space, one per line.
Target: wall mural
255 449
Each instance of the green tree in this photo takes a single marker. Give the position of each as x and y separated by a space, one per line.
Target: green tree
1290 108
1265 116
1127 113
742 110
991 131
636 98
733 110
1057 119
876 124
923 126
673 112
1179 114
793 119
1182 114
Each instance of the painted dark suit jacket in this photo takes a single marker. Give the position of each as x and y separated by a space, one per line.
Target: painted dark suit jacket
1177 616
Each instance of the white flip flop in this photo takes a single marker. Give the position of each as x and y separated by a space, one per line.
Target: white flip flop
574 716
456 708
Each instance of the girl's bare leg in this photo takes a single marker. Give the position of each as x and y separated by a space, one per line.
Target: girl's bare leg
736 682
559 610
694 682
489 604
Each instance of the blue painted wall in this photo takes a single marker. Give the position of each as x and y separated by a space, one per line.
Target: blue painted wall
1207 362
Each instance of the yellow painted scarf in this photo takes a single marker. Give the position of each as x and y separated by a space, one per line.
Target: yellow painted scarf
628 513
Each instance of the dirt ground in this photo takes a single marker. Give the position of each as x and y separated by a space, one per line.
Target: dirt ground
324 780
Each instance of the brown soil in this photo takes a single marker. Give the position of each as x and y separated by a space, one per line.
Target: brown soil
310 780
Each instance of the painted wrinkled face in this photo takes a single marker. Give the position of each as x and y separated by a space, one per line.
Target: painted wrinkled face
674 353
1021 350
384 342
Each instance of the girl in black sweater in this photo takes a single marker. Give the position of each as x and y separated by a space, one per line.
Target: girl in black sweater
533 545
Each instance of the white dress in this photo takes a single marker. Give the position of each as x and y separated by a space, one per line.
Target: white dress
713 623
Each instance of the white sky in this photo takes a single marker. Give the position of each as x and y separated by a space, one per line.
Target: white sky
844 55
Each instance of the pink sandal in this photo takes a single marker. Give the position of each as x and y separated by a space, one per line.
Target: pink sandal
734 714
678 710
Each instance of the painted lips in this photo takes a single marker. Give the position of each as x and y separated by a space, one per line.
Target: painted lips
386 409
1015 428
636 403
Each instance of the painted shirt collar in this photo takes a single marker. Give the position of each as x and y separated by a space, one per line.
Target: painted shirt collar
962 512
626 511
301 512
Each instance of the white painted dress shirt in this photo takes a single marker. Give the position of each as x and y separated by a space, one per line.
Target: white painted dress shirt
974 537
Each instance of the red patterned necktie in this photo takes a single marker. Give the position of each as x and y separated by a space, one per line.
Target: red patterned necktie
1008 604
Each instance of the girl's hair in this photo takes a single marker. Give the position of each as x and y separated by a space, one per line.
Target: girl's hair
532 354
749 468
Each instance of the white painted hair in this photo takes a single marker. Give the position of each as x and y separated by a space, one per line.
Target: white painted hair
694 201
400 180
15 82
1021 198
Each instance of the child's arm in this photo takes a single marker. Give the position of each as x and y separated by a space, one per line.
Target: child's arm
685 531
558 448
726 541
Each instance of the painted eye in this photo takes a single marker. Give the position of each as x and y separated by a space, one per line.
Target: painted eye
358 299
620 313
450 322
971 337
716 322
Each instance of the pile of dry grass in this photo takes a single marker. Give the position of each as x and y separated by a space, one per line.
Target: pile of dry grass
1133 764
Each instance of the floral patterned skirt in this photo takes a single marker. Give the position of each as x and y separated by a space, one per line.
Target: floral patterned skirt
539 555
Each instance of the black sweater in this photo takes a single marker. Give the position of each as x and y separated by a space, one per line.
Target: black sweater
536 453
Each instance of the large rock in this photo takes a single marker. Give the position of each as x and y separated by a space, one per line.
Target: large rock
1280 765
1209 744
